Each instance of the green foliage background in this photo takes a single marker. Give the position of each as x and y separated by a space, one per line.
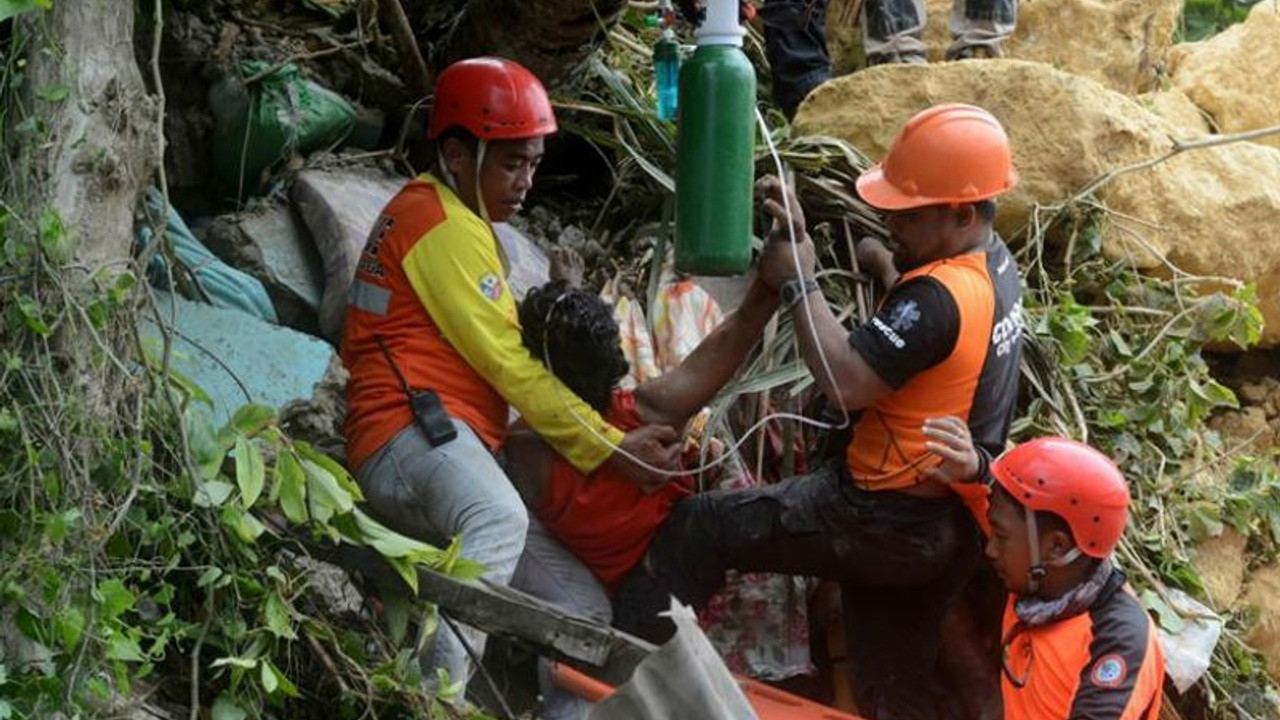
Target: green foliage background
147 555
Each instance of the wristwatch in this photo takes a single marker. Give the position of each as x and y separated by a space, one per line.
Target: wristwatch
795 289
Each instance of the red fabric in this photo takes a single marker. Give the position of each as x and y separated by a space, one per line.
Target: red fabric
603 518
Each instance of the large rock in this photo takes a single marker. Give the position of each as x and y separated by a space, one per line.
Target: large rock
1173 105
235 358
1120 43
1204 210
1221 561
1263 595
340 207
272 244
1232 75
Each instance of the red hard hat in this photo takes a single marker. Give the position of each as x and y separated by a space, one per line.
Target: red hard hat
493 98
1070 480
946 154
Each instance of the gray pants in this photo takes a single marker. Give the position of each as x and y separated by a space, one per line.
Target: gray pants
433 494
891 29
547 570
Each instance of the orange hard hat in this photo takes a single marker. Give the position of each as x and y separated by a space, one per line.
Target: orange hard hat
493 99
1073 481
944 155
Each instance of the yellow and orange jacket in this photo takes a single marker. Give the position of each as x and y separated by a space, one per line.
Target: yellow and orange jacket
431 285
1102 664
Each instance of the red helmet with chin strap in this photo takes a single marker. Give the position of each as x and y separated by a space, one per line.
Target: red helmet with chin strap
1073 481
493 99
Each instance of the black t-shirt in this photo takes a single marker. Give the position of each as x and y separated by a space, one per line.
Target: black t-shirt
915 328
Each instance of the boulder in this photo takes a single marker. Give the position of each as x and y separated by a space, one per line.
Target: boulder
272 245
1221 562
236 358
1263 595
1174 106
340 207
1120 43
1245 427
1232 75
527 264
1202 210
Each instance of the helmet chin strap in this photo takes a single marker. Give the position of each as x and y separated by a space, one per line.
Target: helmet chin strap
1040 569
482 147
482 211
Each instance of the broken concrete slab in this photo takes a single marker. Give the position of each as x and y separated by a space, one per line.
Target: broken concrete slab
528 265
273 245
339 207
236 358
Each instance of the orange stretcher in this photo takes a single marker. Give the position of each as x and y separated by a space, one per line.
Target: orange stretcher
769 702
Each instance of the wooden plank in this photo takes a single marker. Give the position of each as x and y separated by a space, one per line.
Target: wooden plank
597 649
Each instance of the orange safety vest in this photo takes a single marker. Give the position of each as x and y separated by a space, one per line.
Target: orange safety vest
1104 663
887 449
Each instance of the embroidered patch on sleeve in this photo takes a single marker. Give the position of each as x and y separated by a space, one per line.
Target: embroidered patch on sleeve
1109 671
491 286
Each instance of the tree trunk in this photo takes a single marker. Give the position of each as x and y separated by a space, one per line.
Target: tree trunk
550 37
101 150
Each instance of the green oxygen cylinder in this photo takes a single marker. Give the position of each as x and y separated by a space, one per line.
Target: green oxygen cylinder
715 149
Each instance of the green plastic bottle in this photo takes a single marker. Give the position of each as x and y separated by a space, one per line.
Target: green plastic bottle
715 149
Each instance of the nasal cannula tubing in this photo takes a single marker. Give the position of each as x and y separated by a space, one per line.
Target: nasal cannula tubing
724 457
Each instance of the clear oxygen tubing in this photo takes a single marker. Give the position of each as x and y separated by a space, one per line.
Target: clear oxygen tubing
728 453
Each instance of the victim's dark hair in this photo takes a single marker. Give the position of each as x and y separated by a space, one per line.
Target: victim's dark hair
573 332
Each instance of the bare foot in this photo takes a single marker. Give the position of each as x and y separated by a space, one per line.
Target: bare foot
567 265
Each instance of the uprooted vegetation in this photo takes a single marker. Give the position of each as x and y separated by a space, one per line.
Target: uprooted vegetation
153 558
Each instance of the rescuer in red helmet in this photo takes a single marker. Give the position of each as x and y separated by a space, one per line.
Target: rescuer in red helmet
1076 642
432 344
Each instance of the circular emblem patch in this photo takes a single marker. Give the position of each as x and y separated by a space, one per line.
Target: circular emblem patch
491 286
1109 671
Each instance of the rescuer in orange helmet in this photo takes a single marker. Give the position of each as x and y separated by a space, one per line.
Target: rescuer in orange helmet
1076 642
946 340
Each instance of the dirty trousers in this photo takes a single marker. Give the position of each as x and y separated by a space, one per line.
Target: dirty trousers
899 559
432 494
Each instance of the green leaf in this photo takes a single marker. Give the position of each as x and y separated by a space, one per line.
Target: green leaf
212 493
124 648
31 315
69 624
251 475
275 613
1168 618
10 8
205 448
275 682
246 527
324 495
225 708
251 419
340 473
291 484
114 598
245 663
53 93
1204 521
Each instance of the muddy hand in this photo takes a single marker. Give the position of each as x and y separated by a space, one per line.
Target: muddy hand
775 197
645 452
949 439
567 265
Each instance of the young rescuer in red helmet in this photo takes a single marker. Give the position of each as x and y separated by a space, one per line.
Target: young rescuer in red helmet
1076 642
432 343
